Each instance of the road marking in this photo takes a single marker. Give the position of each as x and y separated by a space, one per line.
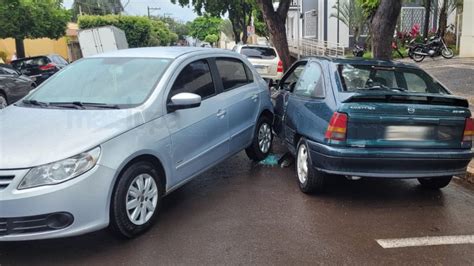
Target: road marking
425 241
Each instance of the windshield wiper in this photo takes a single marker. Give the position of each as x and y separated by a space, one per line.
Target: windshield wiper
36 103
84 105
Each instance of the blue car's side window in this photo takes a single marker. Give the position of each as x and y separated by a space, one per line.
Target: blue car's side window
311 82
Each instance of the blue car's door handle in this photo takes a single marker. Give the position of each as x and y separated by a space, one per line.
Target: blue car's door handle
221 113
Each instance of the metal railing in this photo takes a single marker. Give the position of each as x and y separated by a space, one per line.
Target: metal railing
314 47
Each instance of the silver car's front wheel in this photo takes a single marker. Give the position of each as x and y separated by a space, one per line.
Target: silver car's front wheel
142 198
136 199
3 102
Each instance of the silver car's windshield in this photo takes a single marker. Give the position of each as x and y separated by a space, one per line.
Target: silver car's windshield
102 81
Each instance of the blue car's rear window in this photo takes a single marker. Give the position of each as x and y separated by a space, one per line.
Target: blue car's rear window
358 78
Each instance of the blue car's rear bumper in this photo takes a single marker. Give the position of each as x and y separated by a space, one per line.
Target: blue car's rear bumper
389 163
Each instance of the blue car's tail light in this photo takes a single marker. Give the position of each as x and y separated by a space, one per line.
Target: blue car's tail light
468 135
337 128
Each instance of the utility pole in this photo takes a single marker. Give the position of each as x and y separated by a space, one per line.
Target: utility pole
151 8
338 22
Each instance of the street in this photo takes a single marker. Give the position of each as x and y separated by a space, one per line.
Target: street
240 213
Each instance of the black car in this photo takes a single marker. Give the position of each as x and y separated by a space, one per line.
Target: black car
40 68
13 85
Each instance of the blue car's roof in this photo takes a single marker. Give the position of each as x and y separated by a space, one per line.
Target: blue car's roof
162 52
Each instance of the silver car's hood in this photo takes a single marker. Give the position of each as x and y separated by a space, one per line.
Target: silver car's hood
35 136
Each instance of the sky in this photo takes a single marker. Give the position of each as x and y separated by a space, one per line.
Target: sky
139 7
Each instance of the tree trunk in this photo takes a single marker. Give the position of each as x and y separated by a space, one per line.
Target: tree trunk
427 18
275 21
20 48
443 19
383 27
235 27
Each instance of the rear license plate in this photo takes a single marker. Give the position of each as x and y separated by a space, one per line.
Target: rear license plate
408 133
261 69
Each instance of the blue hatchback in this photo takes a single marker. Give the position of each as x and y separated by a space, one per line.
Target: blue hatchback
369 118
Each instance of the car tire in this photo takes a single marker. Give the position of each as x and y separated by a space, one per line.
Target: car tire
262 140
435 182
139 181
3 101
309 179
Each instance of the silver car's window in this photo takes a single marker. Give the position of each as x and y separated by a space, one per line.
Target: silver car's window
232 72
194 78
118 81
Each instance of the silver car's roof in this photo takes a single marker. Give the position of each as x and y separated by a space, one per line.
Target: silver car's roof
162 52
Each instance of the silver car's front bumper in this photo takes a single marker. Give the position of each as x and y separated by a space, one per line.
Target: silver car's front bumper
86 198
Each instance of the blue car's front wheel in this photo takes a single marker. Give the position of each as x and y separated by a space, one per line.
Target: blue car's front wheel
309 179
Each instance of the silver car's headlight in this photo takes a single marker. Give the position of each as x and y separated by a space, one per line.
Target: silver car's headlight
60 171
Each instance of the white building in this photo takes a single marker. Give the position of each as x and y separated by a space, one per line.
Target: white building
311 19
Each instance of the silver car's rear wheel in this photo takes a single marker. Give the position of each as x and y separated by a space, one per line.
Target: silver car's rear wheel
264 137
142 198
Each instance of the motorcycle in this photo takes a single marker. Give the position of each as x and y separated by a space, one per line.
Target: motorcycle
358 51
433 47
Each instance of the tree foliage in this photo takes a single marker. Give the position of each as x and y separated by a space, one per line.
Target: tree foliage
211 38
205 25
96 7
352 15
240 13
369 7
21 19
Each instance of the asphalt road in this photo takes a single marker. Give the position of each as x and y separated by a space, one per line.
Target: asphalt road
242 213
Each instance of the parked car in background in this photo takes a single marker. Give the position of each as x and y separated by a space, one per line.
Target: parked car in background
371 118
40 68
13 85
264 58
101 144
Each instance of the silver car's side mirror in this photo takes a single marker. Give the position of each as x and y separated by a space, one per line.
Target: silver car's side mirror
184 100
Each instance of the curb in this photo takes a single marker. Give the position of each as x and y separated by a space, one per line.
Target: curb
470 174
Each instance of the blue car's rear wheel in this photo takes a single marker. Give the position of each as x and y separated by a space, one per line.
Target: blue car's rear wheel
435 182
309 179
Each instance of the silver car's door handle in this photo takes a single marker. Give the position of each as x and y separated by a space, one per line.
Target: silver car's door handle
221 113
255 97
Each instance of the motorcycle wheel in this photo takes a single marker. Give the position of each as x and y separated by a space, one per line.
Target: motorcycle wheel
447 53
417 57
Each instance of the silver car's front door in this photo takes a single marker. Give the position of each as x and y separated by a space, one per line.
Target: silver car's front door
199 135
243 101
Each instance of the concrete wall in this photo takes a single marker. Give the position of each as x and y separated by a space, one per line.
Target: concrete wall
467 37
37 47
